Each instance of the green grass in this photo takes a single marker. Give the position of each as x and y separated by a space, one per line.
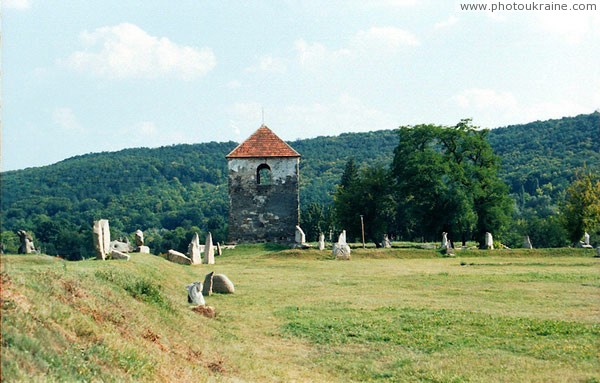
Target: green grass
424 333
401 314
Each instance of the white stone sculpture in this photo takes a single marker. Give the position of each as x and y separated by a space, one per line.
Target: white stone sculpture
195 296
341 250
489 241
101 231
209 251
194 250
321 241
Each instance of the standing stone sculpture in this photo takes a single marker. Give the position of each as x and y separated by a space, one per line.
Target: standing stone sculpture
447 245
321 241
387 244
218 251
586 241
586 238
101 232
139 238
26 246
194 250
444 240
139 243
341 250
489 241
527 243
209 251
300 237
195 296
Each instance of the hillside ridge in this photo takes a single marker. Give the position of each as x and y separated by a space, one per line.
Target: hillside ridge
173 191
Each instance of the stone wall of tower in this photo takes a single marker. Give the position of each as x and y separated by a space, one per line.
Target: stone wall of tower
263 213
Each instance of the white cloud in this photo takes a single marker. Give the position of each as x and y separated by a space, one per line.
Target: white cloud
571 27
235 129
383 40
126 51
486 98
452 20
372 43
146 129
568 26
269 64
552 109
491 108
391 3
233 84
148 134
343 114
65 118
245 116
314 55
16 4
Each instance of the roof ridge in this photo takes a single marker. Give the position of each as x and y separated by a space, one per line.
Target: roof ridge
263 143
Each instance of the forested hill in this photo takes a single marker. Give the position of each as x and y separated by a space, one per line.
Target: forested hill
545 154
180 188
183 188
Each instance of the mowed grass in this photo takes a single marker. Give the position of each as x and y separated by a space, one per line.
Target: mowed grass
386 315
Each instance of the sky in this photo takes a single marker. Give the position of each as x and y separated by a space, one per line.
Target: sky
83 76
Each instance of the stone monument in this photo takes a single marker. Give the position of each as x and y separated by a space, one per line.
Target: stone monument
119 255
177 257
299 237
445 240
209 251
321 241
489 241
140 247
387 244
217 283
195 296
341 250
194 250
26 246
101 232
586 241
122 246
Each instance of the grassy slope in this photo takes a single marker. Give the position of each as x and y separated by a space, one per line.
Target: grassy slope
387 315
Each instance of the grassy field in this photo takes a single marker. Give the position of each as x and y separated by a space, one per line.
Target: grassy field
393 315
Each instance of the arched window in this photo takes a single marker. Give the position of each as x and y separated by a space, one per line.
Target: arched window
263 175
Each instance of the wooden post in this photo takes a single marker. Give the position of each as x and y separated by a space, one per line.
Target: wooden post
362 228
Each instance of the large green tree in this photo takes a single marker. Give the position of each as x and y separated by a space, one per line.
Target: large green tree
581 209
368 193
316 219
447 180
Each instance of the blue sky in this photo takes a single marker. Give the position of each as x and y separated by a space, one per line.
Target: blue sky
89 76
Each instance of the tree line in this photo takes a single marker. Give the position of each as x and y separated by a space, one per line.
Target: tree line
172 192
446 179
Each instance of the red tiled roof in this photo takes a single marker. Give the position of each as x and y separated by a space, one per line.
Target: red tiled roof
263 143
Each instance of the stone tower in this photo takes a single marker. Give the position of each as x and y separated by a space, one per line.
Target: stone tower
263 189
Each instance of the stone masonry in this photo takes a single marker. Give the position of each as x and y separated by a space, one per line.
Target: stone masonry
263 189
